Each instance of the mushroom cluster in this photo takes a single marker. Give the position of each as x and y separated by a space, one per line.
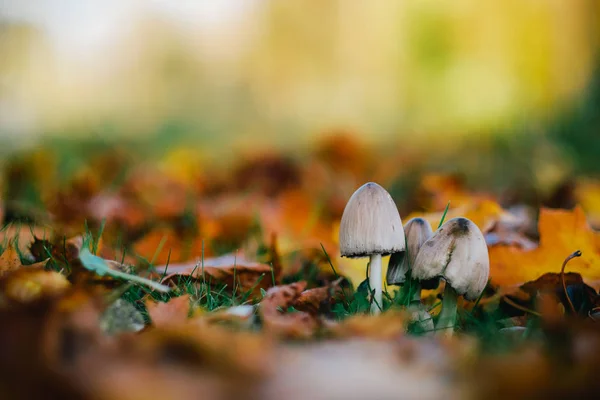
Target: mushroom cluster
456 252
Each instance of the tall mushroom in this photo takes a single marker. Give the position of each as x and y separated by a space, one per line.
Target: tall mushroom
417 232
371 227
456 252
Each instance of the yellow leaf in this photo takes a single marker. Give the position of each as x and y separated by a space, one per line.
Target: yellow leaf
562 232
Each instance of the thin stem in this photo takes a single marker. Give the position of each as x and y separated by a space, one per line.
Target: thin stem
375 283
562 278
447 318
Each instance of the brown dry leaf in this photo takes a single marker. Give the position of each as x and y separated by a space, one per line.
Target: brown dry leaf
561 233
314 300
388 325
276 319
32 283
67 250
238 316
9 259
583 297
173 312
249 275
204 345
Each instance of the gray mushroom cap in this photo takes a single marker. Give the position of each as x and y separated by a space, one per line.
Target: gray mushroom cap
458 253
417 232
370 224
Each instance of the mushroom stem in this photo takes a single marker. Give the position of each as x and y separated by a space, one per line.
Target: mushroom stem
447 318
375 283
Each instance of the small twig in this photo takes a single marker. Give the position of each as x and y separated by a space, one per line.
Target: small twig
520 307
562 278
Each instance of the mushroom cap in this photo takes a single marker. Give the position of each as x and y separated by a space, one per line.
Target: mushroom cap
417 232
458 253
371 224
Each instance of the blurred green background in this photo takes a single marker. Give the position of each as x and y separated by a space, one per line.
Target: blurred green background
503 92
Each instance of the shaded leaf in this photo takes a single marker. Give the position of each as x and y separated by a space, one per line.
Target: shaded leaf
234 270
173 312
273 311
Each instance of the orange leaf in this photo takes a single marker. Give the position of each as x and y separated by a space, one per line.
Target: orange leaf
9 260
311 300
173 312
561 233
32 282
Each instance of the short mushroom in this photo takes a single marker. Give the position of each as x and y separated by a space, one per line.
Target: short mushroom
371 227
456 252
417 232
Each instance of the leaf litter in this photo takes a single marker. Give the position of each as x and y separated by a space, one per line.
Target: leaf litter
174 286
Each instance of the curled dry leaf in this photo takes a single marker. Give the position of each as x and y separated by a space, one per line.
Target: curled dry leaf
319 299
526 297
277 320
234 270
173 312
561 233
32 283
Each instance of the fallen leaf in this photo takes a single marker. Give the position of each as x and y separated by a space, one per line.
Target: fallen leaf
9 259
273 310
316 300
583 297
388 325
241 316
234 270
31 283
561 233
173 312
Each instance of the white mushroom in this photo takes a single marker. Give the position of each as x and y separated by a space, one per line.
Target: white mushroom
417 231
371 227
456 252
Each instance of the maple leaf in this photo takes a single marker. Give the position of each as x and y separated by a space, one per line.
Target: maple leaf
561 233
